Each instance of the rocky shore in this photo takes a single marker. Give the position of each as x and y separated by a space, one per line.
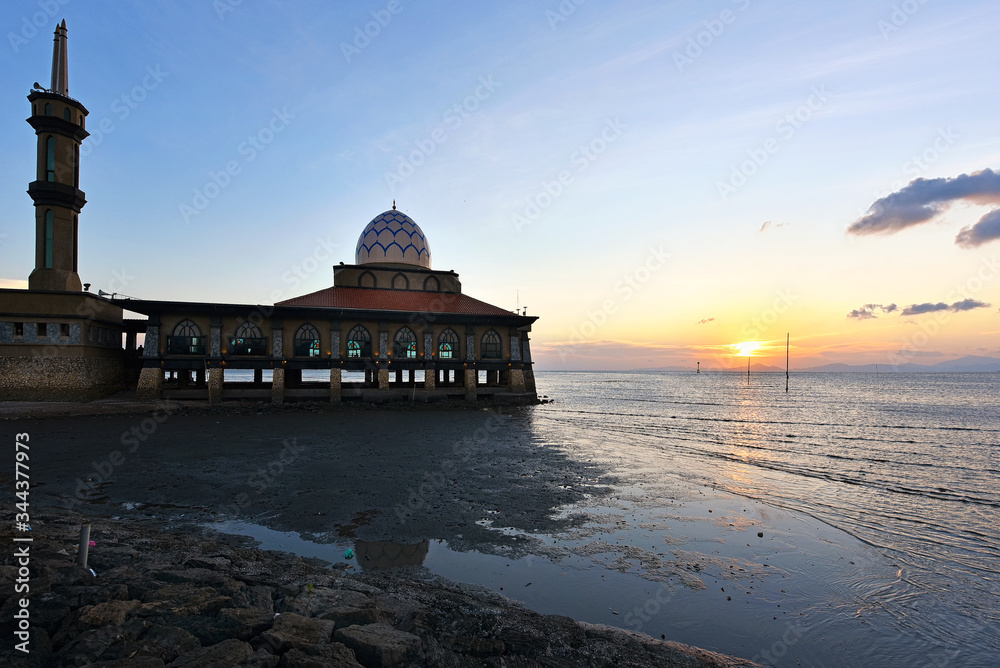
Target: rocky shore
154 596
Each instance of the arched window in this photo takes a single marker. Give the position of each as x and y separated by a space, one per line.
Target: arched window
186 339
400 282
48 109
66 114
448 345
359 343
76 165
50 224
307 341
405 344
248 340
367 280
491 347
50 158
76 241
431 284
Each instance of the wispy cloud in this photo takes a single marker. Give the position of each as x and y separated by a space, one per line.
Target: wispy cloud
705 321
964 305
923 199
869 311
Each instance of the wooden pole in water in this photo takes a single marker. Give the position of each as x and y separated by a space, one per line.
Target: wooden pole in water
788 339
748 369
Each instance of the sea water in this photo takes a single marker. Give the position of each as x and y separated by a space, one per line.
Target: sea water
907 465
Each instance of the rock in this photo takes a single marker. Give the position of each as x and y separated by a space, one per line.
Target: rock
226 653
247 622
169 642
184 600
293 630
262 659
112 613
334 655
257 596
379 645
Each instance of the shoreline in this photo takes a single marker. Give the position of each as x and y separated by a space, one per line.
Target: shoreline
166 596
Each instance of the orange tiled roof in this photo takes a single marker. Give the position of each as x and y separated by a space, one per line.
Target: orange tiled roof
396 300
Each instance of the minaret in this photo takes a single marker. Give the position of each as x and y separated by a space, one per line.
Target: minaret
59 121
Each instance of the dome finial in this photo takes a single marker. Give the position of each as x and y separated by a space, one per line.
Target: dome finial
394 205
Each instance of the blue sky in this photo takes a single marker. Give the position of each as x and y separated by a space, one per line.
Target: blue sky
651 178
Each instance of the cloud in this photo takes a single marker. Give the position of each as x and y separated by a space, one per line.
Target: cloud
987 229
705 321
923 199
869 311
964 305
927 307
768 224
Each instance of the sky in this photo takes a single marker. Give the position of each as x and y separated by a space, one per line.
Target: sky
657 181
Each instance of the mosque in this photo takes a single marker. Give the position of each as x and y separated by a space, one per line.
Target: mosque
389 328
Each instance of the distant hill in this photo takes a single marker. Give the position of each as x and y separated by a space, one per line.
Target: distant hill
967 364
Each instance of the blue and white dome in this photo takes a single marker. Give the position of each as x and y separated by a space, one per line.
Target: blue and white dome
393 237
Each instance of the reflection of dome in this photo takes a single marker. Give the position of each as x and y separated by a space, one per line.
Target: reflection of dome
393 237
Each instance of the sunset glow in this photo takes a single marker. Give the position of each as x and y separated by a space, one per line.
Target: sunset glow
746 349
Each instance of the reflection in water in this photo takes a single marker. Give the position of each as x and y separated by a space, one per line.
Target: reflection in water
381 555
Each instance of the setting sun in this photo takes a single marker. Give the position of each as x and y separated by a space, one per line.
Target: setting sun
747 348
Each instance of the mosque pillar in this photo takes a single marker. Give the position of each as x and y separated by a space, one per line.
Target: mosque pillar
216 374
335 387
278 386
150 384
383 355
515 378
471 375
278 355
430 375
529 372
335 373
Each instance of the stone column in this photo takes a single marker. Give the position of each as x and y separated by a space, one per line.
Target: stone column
429 372
278 386
335 373
515 379
335 385
470 385
216 376
383 357
150 384
529 372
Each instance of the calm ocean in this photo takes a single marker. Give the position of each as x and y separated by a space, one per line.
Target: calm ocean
900 470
